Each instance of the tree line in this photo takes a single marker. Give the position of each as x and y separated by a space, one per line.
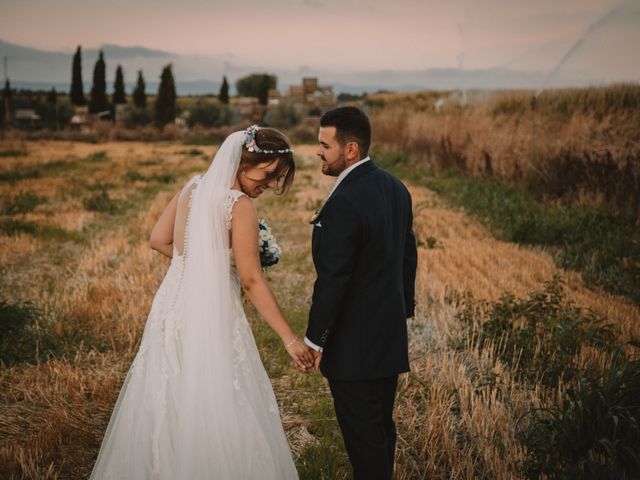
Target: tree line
164 111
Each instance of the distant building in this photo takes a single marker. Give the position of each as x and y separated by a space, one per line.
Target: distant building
312 95
27 118
246 109
274 97
80 119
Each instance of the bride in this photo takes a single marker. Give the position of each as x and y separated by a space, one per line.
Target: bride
197 402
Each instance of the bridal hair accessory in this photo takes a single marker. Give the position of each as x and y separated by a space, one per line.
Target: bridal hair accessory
252 146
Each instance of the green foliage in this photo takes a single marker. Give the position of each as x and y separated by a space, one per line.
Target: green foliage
54 114
195 152
77 87
13 176
598 101
223 96
600 244
10 226
510 106
538 336
21 338
209 114
256 85
13 152
98 156
119 95
99 101
137 116
348 97
133 176
326 458
100 202
23 202
283 115
162 177
595 432
165 107
139 93
5 102
614 99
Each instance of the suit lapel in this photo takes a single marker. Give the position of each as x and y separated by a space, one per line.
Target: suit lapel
355 173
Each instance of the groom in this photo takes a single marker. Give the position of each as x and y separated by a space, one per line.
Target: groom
364 252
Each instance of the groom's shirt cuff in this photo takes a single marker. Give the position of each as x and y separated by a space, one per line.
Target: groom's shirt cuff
312 345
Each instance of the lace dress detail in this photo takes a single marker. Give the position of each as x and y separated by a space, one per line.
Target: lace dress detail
230 201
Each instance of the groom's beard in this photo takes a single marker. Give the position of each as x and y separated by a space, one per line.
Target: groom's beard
335 168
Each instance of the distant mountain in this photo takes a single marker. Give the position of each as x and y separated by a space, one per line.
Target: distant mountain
197 75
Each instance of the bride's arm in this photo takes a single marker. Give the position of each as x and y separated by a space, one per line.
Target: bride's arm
244 242
161 238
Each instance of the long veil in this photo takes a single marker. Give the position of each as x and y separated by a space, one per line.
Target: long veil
205 303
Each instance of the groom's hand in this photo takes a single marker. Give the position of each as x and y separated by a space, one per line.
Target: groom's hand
317 357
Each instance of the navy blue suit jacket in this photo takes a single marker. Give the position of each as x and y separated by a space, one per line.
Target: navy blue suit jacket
364 252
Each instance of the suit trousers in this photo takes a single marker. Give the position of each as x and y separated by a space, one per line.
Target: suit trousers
365 414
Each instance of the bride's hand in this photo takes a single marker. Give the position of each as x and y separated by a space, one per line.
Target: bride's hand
301 354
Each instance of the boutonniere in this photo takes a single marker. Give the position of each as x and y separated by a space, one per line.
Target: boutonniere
315 217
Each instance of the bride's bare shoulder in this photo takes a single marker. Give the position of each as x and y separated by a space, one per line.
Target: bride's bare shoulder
243 210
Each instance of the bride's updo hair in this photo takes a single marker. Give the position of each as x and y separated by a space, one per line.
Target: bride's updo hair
270 139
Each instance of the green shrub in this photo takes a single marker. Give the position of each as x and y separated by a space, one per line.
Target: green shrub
13 176
601 244
98 156
23 202
21 338
209 114
162 177
538 336
12 152
594 434
133 176
137 117
10 226
100 202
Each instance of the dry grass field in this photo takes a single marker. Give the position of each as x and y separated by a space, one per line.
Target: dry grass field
75 263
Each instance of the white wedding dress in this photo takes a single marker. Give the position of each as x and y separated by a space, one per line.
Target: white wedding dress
197 402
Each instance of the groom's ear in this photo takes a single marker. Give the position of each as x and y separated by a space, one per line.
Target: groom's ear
352 151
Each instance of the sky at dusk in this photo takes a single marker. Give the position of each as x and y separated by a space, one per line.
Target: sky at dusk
337 34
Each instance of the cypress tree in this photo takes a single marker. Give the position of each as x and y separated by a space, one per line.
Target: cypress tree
6 103
99 101
51 110
139 94
223 96
165 108
52 96
119 95
77 88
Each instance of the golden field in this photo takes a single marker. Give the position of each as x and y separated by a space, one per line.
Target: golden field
92 276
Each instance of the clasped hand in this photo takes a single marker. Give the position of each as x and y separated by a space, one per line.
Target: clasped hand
304 358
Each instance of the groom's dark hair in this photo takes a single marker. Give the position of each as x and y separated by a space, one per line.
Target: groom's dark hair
352 125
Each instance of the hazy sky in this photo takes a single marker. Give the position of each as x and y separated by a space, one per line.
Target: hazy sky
341 34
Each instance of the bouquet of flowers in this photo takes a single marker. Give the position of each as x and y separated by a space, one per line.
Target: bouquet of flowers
269 250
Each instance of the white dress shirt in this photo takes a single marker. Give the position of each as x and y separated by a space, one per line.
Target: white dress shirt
340 178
